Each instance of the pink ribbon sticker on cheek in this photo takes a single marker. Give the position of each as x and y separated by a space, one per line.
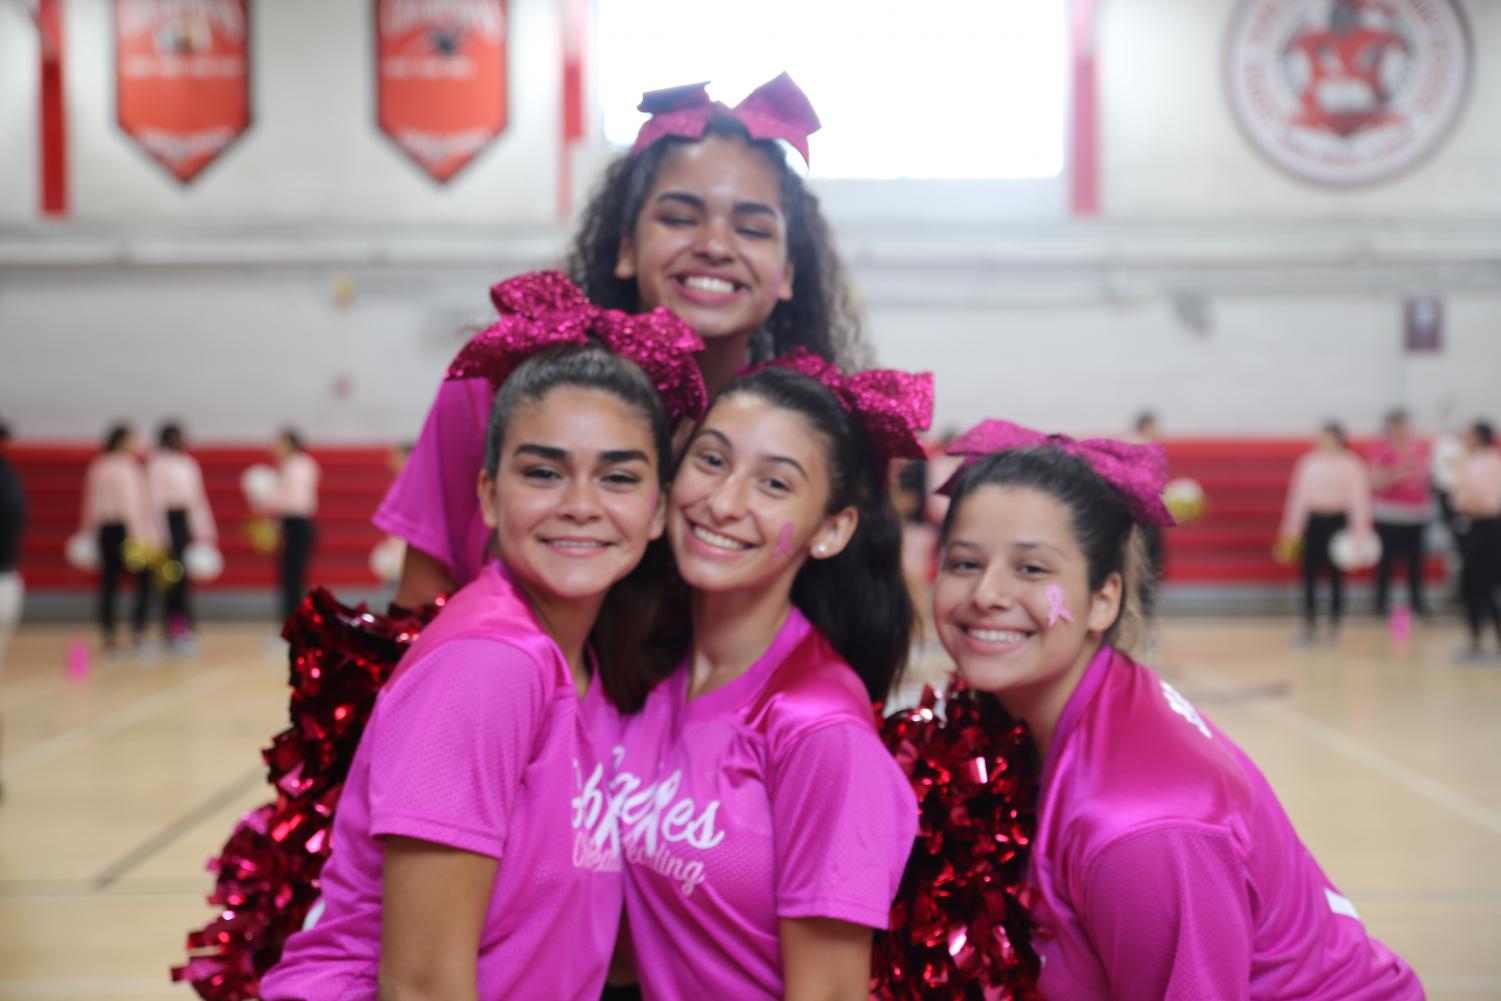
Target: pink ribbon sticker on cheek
1056 609
784 540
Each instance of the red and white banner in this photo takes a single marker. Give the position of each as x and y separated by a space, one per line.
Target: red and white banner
182 78
440 72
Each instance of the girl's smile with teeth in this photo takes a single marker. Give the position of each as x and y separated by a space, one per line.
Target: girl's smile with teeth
708 283
995 635
718 541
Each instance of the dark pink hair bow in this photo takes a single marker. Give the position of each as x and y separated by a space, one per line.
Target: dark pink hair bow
778 109
544 309
891 406
1139 472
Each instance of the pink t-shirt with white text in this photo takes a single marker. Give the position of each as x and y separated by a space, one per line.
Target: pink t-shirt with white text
771 797
1167 870
482 745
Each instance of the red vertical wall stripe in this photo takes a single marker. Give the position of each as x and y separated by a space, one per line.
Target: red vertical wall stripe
575 21
1084 123
53 132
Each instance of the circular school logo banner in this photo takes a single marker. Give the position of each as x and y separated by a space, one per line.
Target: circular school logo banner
1346 92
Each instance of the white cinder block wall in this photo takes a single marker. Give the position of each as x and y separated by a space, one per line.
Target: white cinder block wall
216 302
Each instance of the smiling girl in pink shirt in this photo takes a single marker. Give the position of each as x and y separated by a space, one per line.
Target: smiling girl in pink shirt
763 824
704 217
461 860
1164 865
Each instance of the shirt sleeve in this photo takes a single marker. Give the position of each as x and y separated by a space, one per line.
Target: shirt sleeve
1295 511
1358 488
92 489
843 820
450 742
1169 914
434 498
201 527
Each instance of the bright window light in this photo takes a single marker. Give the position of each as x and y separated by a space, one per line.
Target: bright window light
946 89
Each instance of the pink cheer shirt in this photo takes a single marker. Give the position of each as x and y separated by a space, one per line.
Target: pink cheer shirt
480 743
434 503
769 798
1166 868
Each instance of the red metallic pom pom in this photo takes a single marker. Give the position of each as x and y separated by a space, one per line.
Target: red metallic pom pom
268 870
960 926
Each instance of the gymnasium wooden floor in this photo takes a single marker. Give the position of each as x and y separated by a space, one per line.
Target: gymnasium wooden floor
119 786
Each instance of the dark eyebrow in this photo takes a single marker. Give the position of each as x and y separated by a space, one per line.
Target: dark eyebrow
692 201
704 432
789 461
1039 545
695 202
542 452
783 459
554 454
756 208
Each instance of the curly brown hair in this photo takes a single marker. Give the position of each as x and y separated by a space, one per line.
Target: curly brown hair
821 315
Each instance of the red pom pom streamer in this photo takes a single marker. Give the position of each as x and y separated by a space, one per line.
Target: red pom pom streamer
268 871
960 927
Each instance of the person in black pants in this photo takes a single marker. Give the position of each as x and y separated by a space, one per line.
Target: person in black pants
12 522
1329 491
1478 501
115 508
297 503
181 505
1320 531
1399 483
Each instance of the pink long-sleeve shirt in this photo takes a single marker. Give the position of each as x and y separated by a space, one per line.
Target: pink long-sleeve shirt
1328 483
297 493
114 490
1479 492
174 482
1166 869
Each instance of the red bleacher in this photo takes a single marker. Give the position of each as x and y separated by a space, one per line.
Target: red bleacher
352 484
1245 481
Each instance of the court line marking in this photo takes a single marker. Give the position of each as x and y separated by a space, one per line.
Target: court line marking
1424 785
65 743
175 828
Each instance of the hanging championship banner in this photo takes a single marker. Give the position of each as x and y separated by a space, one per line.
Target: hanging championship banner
1343 92
440 71
182 78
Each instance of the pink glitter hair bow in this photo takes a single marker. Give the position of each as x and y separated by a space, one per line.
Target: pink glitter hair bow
778 109
1139 472
891 406
544 309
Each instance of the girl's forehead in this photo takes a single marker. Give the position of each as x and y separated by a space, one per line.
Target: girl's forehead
1002 513
720 165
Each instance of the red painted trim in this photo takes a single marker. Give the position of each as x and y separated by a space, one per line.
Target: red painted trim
571 120
1084 175
52 119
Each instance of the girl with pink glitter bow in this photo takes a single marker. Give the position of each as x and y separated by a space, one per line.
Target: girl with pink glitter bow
1163 864
703 217
763 825
462 864
479 740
